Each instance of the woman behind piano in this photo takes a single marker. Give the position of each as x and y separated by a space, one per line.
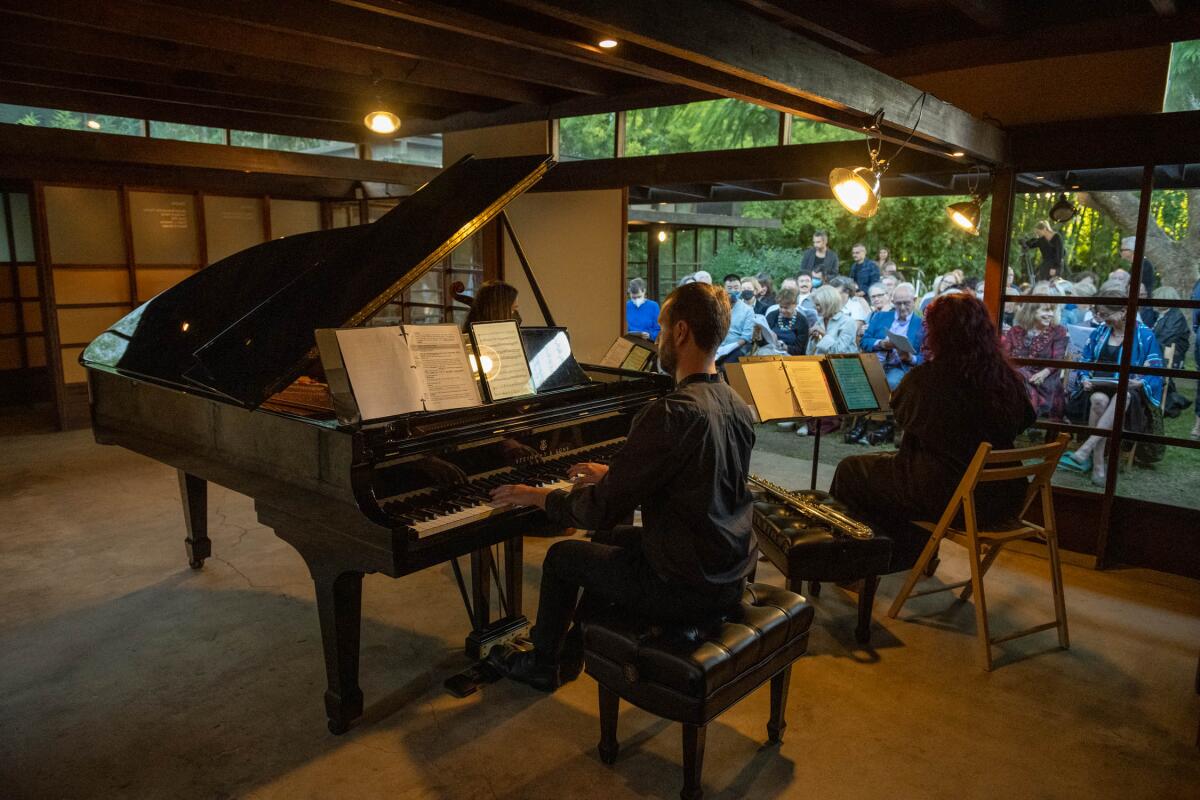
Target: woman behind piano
494 301
966 392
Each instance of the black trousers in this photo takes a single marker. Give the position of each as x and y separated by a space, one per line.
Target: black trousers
611 571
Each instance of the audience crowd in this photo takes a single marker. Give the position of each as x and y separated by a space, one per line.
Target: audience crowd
873 309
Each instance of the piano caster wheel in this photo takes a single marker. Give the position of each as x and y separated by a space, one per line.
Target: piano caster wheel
338 727
196 563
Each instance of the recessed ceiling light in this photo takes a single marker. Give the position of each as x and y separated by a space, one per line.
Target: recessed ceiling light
607 44
382 121
93 124
957 154
1039 177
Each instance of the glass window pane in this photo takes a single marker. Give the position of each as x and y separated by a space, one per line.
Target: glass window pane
706 125
637 243
587 137
295 144
186 133
685 247
70 120
22 224
807 131
666 247
1183 77
423 150
704 244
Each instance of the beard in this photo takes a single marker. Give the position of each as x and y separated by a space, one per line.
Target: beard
666 355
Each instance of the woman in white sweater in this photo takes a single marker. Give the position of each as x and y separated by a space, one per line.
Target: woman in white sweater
837 331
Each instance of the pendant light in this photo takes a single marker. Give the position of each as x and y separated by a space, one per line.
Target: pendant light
382 120
969 213
858 188
1063 210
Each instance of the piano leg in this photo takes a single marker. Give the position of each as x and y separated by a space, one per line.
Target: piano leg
194 493
487 633
514 565
339 605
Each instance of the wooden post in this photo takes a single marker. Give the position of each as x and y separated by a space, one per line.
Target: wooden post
995 274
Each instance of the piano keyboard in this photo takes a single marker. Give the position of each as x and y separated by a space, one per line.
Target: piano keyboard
438 510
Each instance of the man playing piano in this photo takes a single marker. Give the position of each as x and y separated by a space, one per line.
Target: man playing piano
685 464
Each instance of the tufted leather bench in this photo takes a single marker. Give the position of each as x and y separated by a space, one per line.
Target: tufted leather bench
805 550
692 673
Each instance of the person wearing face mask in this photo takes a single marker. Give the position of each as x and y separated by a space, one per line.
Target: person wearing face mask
1038 333
684 463
641 315
733 287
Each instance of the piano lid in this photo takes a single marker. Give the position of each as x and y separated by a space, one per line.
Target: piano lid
242 328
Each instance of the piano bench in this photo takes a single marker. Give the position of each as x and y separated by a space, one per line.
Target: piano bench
805 550
692 673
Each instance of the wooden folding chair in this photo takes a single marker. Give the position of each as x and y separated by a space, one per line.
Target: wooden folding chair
984 545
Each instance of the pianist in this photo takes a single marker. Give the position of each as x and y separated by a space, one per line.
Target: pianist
685 464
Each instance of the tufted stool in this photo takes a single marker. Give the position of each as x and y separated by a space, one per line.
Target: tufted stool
803 549
692 673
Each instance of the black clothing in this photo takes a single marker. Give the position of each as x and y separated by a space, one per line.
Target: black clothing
763 303
685 464
1171 328
1149 278
1053 254
792 333
827 264
1109 354
943 427
612 571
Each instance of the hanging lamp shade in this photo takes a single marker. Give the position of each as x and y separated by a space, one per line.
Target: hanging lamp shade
966 214
856 189
382 121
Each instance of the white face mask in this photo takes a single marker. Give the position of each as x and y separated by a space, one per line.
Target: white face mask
637 301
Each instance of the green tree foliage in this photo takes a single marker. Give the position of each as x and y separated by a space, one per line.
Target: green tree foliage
707 125
807 131
587 137
1183 77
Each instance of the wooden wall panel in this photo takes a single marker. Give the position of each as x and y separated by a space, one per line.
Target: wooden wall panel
84 225
294 216
72 371
153 281
8 318
81 325
29 281
36 346
231 224
91 286
165 228
10 354
32 311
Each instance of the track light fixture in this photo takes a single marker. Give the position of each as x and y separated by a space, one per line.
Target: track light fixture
858 188
969 213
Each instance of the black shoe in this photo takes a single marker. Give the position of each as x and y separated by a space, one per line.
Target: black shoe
570 663
521 665
856 434
883 434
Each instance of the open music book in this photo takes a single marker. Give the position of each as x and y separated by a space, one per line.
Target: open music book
792 387
389 370
625 353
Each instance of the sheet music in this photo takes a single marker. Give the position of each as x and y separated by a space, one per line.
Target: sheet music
852 382
382 374
811 388
501 342
440 358
773 395
902 343
636 360
617 352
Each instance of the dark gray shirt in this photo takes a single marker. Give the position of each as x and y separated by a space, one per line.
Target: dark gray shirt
685 464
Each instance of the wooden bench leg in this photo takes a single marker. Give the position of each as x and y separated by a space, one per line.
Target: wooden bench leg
866 604
779 693
610 705
693 761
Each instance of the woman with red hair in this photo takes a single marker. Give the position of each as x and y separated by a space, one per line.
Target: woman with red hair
966 392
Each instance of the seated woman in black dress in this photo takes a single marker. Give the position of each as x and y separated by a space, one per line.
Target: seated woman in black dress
966 392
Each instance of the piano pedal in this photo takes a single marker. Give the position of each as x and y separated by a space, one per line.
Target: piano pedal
510 630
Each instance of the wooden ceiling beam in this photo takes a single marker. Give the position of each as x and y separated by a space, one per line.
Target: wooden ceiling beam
1079 37
140 108
199 30
852 33
727 46
366 29
190 64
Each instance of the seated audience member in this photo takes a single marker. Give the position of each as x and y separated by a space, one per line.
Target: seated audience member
902 321
853 304
641 315
733 287
863 271
766 295
836 331
1036 333
880 298
1098 386
703 276
890 282
966 393
1118 277
1171 329
786 283
804 289
788 324
1149 279
818 277
886 265
686 279
1147 314
1195 434
741 328
685 465
751 283
494 301
943 285
1083 310
1087 276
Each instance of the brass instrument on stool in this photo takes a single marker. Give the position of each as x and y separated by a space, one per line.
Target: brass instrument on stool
832 517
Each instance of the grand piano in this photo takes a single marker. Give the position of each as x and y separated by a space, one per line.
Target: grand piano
218 378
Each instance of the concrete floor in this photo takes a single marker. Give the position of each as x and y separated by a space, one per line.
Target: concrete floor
125 674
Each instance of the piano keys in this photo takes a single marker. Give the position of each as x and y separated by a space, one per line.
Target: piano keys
217 377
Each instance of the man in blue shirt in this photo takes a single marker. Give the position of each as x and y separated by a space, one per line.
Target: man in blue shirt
641 315
863 271
903 321
741 329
